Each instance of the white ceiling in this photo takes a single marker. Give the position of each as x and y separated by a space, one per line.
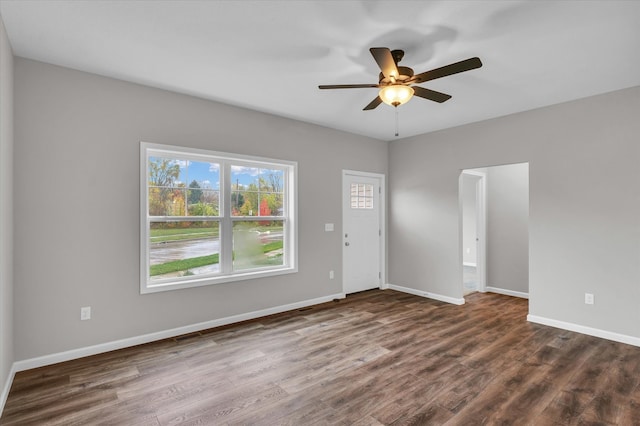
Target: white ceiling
270 56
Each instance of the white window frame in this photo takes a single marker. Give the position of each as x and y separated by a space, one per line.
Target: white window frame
226 274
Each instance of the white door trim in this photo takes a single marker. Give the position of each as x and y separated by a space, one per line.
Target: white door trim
382 207
481 227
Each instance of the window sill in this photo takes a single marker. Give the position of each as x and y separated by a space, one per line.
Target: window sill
212 280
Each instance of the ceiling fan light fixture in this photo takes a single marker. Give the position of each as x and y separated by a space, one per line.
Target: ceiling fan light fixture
396 94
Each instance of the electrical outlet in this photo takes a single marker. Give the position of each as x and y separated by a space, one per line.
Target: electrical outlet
330 275
85 313
588 298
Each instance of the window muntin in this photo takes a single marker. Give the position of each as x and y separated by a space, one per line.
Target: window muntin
199 213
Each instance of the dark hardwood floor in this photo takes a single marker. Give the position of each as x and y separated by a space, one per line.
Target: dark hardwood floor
378 357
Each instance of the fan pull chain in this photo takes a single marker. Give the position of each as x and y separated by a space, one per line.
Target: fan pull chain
397 125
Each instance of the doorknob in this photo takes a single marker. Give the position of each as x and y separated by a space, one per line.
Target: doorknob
346 244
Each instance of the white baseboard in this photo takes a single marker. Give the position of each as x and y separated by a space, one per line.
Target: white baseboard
426 294
7 387
616 337
507 292
469 264
41 361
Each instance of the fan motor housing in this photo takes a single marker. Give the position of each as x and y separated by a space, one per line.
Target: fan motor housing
405 74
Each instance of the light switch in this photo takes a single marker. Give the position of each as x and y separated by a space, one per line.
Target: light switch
328 227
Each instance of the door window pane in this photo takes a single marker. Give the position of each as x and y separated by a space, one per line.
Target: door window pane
361 196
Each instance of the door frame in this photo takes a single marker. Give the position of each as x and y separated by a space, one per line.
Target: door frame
481 227
382 207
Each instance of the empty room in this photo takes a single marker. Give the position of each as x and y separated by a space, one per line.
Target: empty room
319 212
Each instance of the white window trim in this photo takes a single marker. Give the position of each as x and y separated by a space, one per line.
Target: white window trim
291 205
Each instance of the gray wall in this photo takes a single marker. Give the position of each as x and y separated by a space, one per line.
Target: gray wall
508 227
77 205
584 228
6 207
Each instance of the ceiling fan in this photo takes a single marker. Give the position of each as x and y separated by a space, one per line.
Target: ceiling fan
396 82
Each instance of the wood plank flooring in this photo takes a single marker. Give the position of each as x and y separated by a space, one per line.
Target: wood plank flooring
377 357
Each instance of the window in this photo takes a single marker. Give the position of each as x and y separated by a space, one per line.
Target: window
361 196
210 217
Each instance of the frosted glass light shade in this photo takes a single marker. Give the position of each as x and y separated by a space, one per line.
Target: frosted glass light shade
396 94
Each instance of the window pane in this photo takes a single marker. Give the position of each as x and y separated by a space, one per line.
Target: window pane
203 194
246 202
167 172
361 196
257 244
166 201
166 187
271 180
271 204
244 186
203 202
256 191
183 248
205 174
169 194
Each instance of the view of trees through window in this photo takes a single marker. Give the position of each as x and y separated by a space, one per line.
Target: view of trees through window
187 219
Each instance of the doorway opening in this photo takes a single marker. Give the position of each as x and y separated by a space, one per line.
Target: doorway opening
494 229
473 194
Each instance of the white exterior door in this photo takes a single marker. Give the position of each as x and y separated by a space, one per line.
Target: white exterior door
362 233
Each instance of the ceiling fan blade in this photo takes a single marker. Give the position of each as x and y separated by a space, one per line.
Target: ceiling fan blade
466 65
347 86
385 61
373 104
432 95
